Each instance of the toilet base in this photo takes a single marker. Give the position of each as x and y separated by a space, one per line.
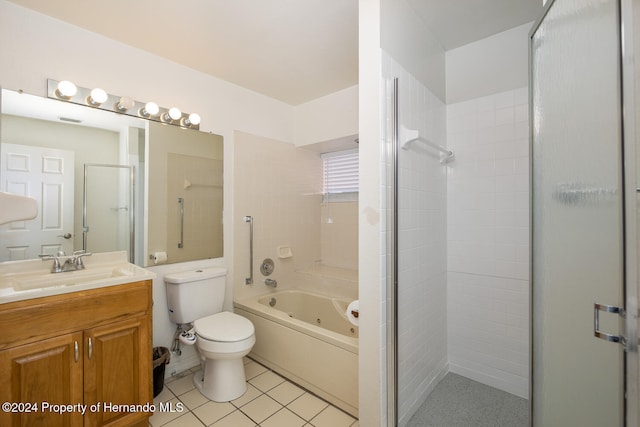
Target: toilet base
221 380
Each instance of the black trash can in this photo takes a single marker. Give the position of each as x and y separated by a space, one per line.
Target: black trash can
161 357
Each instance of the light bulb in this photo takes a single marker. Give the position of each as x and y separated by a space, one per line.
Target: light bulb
151 108
97 96
125 103
66 89
194 118
175 113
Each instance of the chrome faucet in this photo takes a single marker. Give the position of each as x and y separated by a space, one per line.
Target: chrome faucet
71 263
271 282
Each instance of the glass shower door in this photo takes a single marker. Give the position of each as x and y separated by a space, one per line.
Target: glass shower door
577 222
108 208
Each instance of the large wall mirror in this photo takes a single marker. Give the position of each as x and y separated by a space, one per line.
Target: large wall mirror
106 181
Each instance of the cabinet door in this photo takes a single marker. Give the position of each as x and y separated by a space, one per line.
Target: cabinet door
118 360
44 373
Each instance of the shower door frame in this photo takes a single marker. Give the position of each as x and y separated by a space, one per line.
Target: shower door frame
631 191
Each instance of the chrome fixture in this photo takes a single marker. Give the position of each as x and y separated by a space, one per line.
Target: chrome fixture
249 280
175 346
181 206
271 282
71 263
267 267
98 98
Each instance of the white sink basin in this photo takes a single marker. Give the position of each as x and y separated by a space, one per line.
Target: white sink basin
32 278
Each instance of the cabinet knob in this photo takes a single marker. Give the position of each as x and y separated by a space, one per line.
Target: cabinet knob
75 345
90 347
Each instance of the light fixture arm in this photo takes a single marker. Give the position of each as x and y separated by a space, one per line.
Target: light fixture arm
123 105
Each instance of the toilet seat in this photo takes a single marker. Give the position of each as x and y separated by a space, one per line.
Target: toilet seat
224 327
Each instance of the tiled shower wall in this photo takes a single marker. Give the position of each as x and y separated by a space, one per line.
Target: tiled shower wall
281 187
422 238
488 240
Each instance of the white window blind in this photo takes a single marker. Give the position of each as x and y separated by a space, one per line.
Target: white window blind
340 171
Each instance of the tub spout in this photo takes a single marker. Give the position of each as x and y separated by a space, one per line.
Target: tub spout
271 282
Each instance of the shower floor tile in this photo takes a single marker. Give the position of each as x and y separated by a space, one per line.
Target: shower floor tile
460 402
273 401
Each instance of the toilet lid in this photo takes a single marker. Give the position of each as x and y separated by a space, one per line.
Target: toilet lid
224 327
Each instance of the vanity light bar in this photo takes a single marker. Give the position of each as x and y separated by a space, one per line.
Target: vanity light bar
98 98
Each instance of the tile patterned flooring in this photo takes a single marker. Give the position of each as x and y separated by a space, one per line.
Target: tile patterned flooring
270 401
460 402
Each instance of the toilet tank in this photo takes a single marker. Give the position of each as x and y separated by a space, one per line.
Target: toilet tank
194 294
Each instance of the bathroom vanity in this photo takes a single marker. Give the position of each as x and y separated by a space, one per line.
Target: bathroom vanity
89 349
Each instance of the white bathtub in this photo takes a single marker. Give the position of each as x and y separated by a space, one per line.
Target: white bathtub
308 339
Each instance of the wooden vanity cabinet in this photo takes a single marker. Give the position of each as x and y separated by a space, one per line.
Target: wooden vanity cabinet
84 348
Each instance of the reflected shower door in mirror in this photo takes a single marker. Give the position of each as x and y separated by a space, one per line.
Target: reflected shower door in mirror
45 145
108 204
185 193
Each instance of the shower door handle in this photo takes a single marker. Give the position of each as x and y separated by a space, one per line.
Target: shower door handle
597 308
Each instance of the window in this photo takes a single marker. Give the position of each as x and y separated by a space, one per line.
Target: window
340 170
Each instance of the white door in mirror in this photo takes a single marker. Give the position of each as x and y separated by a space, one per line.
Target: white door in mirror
46 174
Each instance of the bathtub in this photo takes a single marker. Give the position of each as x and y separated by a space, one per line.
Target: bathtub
307 338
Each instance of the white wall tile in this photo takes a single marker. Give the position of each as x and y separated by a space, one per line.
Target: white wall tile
488 241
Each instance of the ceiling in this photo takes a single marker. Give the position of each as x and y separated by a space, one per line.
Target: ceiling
290 50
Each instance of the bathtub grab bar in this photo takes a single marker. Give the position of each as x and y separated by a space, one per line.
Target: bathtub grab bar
249 280
181 205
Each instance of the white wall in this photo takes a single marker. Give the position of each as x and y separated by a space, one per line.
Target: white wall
491 65
331 117
410 42
371 287
488 211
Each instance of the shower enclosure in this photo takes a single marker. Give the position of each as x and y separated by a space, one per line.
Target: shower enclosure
108 209
416 253
584 254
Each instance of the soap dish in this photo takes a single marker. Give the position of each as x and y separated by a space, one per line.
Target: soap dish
284 252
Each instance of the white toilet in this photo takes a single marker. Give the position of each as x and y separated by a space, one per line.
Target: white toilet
222 338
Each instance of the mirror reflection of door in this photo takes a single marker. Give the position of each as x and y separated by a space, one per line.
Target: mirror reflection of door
45 174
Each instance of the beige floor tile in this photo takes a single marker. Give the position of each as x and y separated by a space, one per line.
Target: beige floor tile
283 418
307 406
192 399
181 385
356 424
164 396
234 419
161 418
332 417
261 408
286 392
186 420
266 381
247 397
211 411
253 369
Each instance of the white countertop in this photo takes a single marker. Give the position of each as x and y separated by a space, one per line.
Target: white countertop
21 280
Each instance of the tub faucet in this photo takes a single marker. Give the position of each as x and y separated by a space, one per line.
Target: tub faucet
271 282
